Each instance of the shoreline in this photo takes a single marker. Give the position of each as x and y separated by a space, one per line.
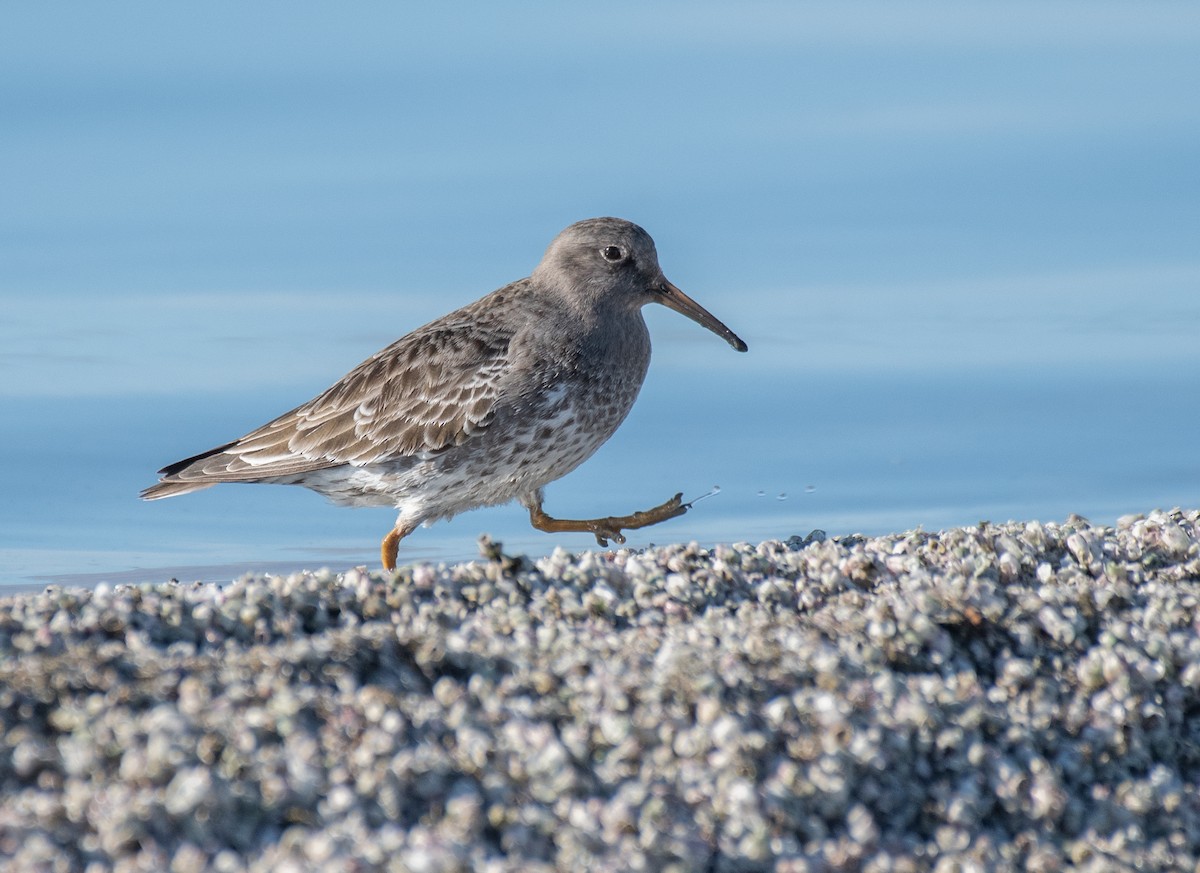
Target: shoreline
1014 696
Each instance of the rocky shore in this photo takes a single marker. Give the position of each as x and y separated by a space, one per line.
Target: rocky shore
1017 696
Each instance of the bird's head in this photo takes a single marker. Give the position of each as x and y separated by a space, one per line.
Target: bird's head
613 263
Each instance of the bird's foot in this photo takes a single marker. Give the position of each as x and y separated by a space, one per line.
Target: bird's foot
610 527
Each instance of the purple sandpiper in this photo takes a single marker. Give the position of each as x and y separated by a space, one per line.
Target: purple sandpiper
482 406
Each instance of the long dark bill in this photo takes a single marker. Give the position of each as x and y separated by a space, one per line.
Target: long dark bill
673 298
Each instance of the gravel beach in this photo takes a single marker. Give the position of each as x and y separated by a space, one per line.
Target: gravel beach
1019 696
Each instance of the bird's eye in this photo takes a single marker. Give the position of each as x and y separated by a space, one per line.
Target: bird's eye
613 254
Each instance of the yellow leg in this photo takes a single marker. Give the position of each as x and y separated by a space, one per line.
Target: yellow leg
608 528
390 546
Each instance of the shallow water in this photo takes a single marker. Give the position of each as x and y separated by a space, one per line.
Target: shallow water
962 253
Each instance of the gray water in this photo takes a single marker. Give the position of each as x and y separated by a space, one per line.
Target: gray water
960 242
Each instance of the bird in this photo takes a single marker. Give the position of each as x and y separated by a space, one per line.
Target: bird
482 406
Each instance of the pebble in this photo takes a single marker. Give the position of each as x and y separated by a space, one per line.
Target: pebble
1018 696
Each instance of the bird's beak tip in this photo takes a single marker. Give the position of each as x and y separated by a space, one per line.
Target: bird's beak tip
675 299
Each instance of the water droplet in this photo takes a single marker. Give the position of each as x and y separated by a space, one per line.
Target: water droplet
762 493
716 489
782 495
809 489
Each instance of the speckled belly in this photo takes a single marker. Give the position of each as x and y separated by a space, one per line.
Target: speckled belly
525 448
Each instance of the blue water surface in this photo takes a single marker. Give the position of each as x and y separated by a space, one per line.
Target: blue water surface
960 240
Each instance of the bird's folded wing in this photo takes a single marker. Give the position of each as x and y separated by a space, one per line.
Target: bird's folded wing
425 393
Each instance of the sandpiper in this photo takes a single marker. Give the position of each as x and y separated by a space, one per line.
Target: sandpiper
482 406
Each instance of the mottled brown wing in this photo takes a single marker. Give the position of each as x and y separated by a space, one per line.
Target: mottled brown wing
424 393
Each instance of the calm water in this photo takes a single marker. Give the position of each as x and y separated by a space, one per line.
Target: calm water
961 244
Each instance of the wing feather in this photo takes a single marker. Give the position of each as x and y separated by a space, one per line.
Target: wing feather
430 390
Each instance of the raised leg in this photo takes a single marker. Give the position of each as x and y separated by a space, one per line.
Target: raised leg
604 529
391 545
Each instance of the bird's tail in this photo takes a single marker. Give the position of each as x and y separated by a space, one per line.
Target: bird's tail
171 489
